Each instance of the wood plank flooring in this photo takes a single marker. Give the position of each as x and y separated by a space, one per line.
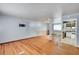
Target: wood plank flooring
37 46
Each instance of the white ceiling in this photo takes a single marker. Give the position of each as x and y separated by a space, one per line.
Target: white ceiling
36 11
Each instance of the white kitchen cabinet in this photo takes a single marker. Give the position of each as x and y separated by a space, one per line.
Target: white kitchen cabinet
70 30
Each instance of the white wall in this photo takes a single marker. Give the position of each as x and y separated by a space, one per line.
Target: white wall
78 31
10 30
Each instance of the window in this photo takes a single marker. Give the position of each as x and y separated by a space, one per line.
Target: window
58 27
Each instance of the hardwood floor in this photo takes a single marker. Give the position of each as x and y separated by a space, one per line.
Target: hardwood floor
37 46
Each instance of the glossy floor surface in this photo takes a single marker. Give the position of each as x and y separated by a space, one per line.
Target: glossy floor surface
39 45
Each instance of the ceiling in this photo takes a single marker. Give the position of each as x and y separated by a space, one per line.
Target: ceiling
36 11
